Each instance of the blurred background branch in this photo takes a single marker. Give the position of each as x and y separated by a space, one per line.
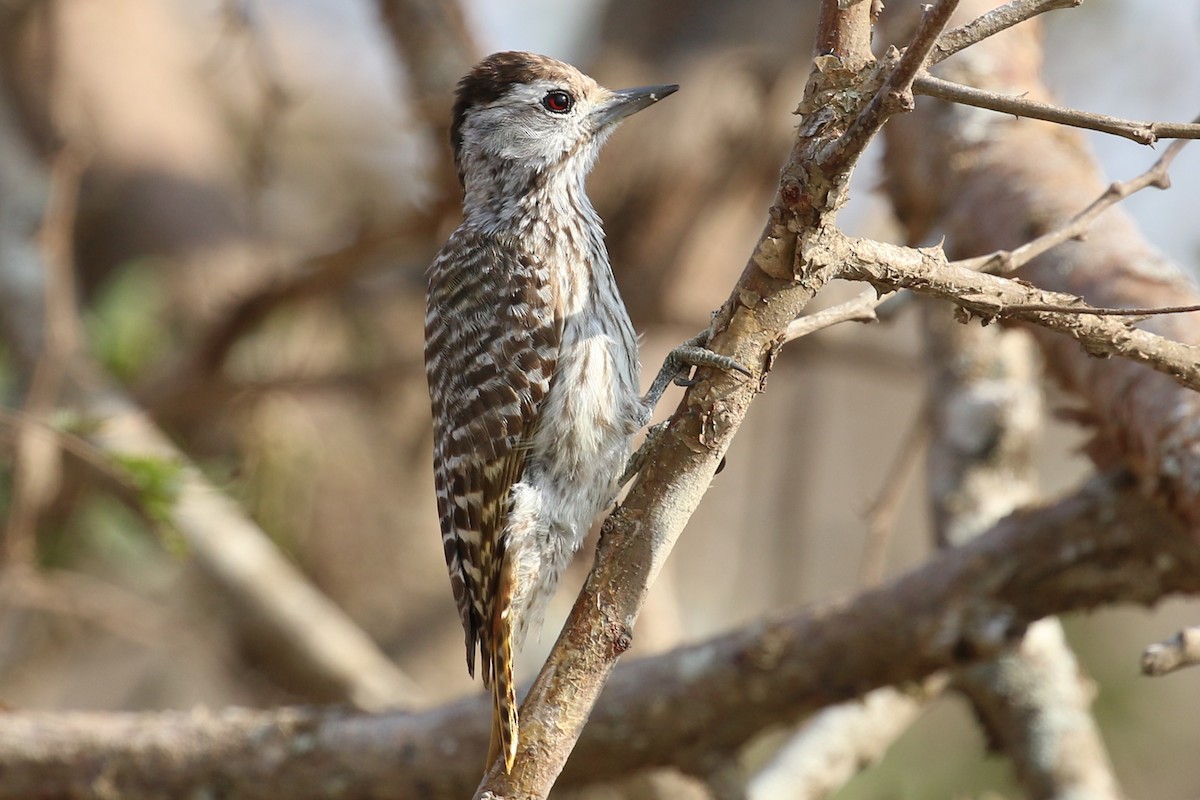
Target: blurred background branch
273 605
694 706
260 185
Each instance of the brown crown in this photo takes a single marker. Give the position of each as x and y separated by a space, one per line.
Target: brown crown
491 78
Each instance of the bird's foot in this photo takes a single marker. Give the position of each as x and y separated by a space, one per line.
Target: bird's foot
677 369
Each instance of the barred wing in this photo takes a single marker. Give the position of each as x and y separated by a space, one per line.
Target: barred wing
493 326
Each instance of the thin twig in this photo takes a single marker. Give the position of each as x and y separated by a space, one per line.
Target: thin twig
961 168
314 277
993 22
1181 650
1006 261
84 597
881 517
1101 311
70 442
241 22
859 309
35 468
894 95
1135 130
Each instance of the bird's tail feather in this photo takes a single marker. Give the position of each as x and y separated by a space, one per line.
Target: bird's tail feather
504 691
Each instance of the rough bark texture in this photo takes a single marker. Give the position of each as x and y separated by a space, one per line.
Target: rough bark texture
986 414
1034 704
986 407
696 706
990 182
991 297
1105 544
637 538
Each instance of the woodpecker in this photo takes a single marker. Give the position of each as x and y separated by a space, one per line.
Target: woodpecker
530 355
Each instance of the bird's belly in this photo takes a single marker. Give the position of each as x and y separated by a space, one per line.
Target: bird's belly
591 411
585 429
582 443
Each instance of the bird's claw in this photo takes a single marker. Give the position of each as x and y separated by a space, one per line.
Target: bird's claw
695 355
677 367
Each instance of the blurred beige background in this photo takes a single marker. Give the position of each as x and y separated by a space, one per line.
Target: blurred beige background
225 150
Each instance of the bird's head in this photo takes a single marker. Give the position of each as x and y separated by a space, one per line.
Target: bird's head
529 114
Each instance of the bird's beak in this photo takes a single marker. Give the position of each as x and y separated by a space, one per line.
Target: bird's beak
629 101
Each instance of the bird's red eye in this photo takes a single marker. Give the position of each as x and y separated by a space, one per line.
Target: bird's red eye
558 101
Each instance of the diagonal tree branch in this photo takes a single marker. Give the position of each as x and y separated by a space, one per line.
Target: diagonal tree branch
1033 701
943 151
276 606
1140 132
927 272
1006 261
637 538
993 22
1105 544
